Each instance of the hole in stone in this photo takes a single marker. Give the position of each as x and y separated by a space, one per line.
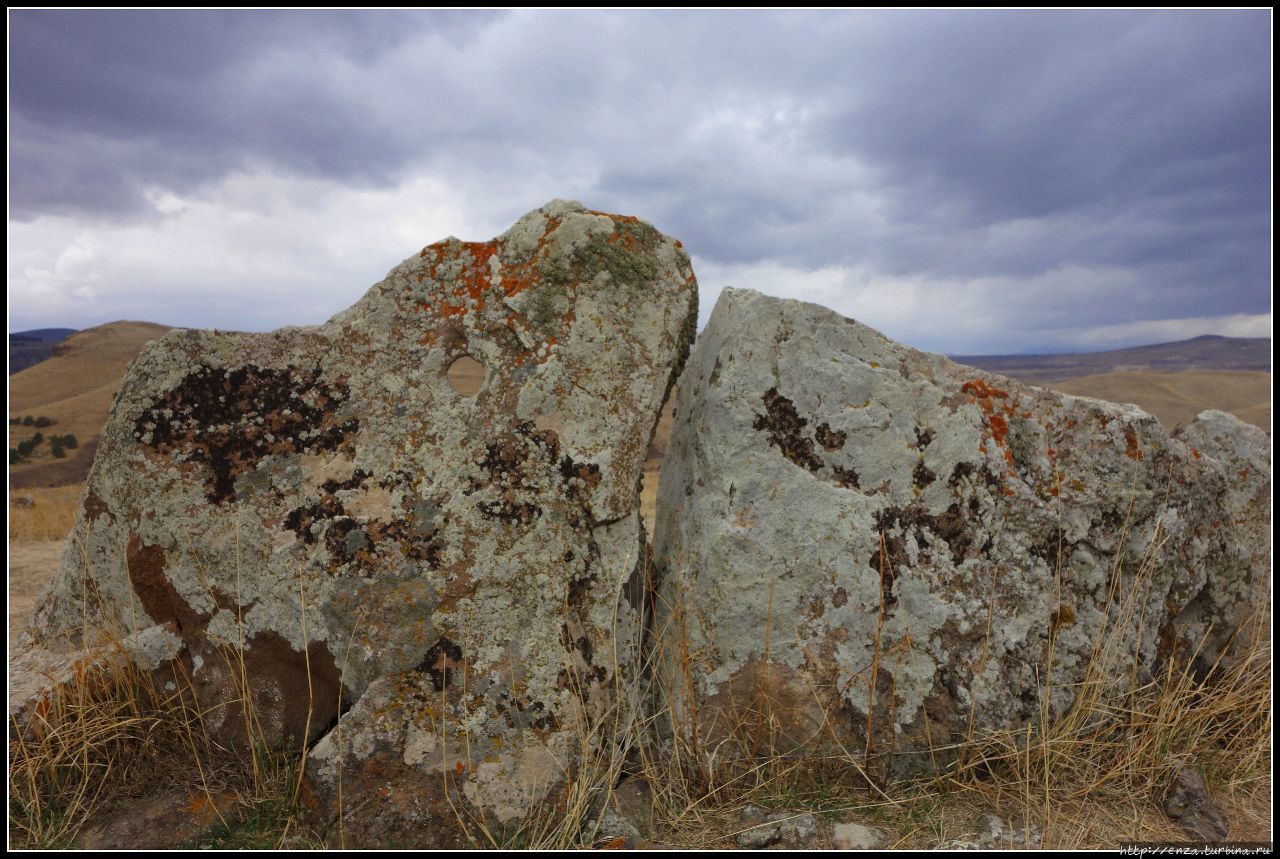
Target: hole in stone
465 375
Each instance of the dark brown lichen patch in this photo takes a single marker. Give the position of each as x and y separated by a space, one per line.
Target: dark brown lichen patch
786 430
845 477
522 469
581 475
893 523
513 473
301 519
523 714
964 471
229 420
921 476
956 531
94 507
442 660
959 473
923 437
1053 550
159 599
829 438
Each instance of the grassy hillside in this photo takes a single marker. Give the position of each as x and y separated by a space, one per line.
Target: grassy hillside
1176 398
74 388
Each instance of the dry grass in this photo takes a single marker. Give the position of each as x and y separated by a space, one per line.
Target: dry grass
1177 397
111 733
49 516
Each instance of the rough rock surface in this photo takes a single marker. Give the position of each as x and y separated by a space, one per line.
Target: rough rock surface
163 821
1187 800
320 511
781 828
879 549
855 836
1233 603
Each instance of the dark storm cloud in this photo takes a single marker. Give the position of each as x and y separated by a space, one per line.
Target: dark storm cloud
108 101
1122 153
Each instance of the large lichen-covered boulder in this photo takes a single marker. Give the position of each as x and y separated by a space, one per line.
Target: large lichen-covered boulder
1232 613
318 512
885 553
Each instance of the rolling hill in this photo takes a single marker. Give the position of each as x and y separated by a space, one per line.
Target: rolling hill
27 348
1209 352
74 387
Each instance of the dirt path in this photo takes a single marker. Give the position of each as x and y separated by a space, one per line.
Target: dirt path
31 565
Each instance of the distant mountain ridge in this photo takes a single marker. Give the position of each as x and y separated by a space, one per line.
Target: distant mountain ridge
1208 352
28 348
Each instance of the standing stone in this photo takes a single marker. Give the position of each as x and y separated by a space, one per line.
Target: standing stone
1228 612
445 567
875 549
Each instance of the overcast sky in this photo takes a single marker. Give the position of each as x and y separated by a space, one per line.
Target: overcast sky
973 182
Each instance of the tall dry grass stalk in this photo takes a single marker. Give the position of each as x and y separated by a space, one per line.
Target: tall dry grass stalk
90 743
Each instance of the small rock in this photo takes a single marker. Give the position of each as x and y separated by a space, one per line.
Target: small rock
855 836
783 828
633 800
1187 800
160 821
992 831
798 828
611 826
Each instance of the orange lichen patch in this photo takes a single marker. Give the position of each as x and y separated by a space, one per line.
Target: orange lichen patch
1195 453
1244 474
999 428
1053 490
1053 452
982 390
1008 490
1131 445
460 768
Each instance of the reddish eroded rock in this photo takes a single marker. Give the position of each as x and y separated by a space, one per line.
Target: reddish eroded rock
162 821
325 513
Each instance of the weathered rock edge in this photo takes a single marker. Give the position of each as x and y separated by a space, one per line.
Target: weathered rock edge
318 510
858 538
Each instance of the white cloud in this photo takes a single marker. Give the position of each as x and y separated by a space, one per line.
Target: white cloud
985 315
253 251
